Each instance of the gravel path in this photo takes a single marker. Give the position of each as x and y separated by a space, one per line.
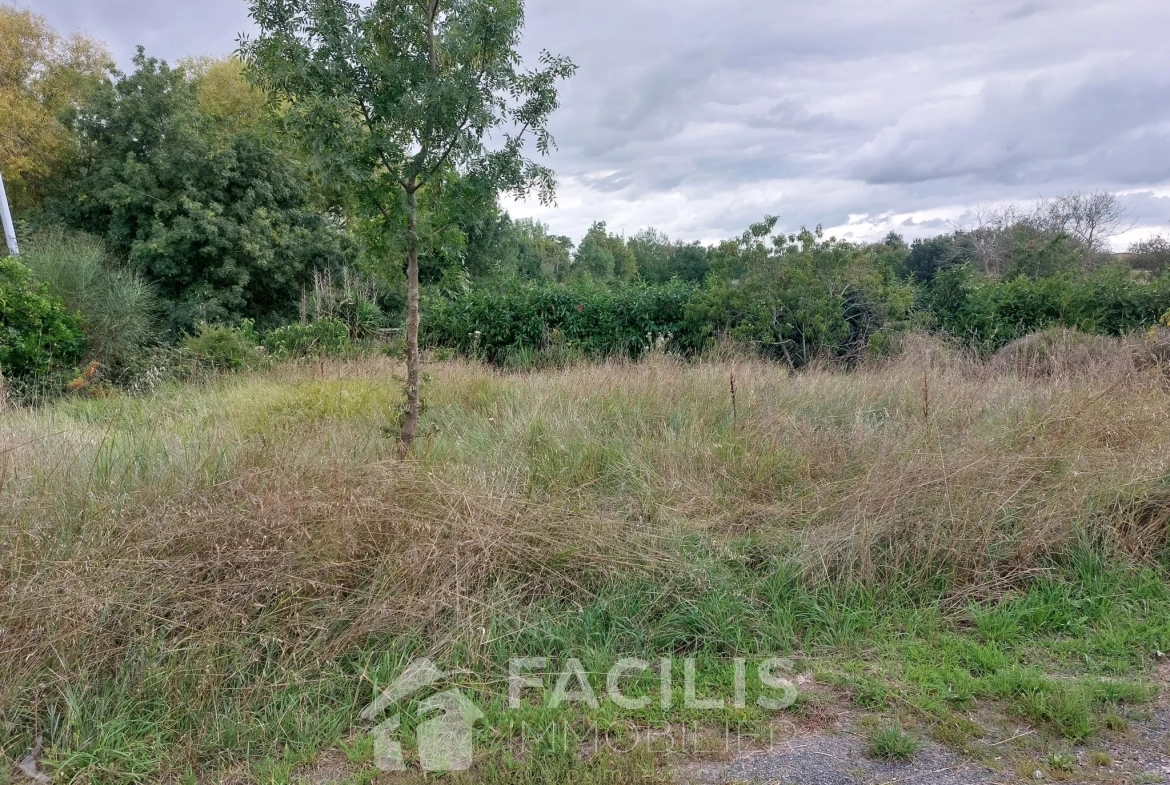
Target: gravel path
836 760
1139 757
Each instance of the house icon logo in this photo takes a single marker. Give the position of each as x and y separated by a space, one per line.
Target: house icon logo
444 741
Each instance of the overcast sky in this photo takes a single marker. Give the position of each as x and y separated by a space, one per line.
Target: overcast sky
699 117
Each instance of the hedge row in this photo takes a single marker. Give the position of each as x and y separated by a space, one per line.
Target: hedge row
516 318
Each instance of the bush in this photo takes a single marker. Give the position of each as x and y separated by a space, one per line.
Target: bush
221 219
116 306
223 348
989 314
513 320
798 298
38 336
327 337
352 301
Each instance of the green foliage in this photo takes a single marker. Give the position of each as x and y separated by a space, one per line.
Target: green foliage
513 316
116 305
219 216
797 297
390 97
352 300
890 742
659 260
598 256
326 337
1151 255
223 348
988 313
1037 254
540 255
38 336
928 257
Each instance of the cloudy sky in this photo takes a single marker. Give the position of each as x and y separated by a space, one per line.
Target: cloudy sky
699 117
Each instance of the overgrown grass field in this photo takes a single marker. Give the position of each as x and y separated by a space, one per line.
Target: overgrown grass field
209 583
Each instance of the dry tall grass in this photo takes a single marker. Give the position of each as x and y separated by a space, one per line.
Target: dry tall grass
269 510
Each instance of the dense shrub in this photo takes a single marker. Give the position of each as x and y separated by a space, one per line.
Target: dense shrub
514 317
325 338
798 298
988 313
116 305
222 348
38 336
219 216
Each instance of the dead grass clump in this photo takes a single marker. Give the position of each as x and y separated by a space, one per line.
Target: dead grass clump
1143 525
316 557
1062 352
927 351
902 473
1152 351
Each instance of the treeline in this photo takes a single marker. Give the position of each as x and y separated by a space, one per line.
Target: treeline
799 297
168 217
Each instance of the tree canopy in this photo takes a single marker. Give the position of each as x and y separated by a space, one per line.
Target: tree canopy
216 211
42 75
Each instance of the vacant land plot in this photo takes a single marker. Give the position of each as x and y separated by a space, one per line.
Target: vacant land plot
211 583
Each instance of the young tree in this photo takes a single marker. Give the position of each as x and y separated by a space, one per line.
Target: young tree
541 255
392 95
605 256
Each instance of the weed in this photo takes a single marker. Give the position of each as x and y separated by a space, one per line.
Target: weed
1100 758
1058 760
892 743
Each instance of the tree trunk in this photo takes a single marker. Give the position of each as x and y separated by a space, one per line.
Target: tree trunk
413 360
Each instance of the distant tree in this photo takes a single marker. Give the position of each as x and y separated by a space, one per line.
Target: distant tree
217 214
41 76
659 260
226 95
1087 221
625 263
894 241
594 255
540 254
461 231
928 256
798 296
604 256
1091 221
392 95
652 252
989 240
689 262
1042 254
1152 254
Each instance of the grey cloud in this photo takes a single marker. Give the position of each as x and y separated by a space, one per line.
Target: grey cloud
1024 11
1106 127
